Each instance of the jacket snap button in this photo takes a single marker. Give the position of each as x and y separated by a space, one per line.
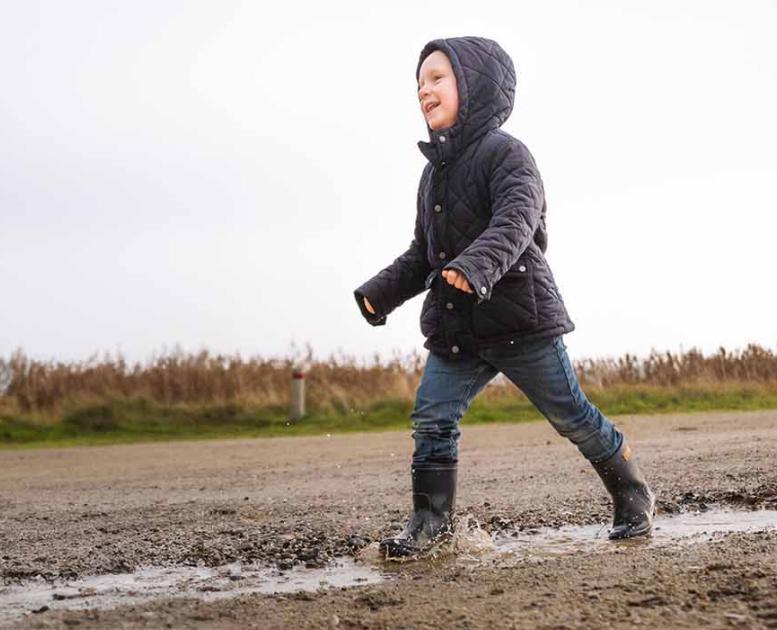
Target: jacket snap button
449 306
483 290
521 268
455 349
442 254
438 208
442 138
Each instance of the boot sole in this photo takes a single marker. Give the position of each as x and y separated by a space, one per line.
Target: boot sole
392 549
644 529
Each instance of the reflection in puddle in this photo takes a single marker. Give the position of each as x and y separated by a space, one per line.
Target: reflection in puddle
669 530
205 583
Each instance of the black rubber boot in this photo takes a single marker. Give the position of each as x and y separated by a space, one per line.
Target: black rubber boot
634 504
434 500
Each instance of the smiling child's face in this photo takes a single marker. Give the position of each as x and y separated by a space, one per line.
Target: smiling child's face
437 91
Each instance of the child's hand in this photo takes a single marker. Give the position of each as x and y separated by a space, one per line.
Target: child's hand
457 279
368 306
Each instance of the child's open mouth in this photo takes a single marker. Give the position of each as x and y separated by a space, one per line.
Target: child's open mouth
430 107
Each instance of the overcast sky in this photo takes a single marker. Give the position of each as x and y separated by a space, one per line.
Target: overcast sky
221 175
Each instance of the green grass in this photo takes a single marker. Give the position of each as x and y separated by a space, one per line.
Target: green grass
137 420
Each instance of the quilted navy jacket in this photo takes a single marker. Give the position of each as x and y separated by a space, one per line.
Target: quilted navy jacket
481 210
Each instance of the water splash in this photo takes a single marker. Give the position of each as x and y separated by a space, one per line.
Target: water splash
467 540
470 539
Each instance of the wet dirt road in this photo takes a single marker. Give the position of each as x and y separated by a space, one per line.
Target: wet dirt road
293 505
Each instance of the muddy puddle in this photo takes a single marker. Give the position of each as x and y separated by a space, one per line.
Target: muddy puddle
206 583
669 530
469 543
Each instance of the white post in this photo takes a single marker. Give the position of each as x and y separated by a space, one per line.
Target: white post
297 393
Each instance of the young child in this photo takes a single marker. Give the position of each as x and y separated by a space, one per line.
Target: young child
493 305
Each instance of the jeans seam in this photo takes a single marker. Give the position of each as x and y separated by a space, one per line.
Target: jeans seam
460 409
563 367
571 393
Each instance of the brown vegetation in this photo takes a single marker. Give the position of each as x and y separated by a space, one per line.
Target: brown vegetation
43 388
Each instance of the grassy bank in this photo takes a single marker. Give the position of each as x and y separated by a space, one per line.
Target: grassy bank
201 395
134 419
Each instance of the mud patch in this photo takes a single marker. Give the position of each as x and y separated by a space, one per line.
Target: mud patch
469 543
77 512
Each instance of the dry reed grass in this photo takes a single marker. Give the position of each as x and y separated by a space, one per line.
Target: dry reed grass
754 364
44 388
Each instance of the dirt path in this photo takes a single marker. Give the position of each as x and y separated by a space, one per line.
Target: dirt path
66 513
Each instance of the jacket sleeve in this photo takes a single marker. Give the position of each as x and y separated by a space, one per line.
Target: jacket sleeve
517 199
401 280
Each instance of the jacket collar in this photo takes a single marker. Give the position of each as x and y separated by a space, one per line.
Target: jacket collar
443 146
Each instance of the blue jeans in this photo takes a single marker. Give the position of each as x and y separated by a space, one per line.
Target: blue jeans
540 369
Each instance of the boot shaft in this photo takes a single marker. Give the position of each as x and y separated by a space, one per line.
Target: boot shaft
633 501
434 488
620 473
